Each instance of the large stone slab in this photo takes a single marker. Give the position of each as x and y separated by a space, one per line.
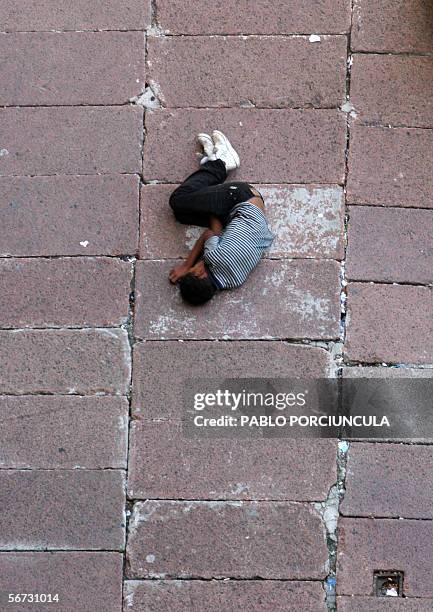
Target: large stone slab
227 595
307 220
316 77
64 509
71 67
390 167
390 245
383 604
367 545
392 26
79 140
30 15
226 539
392 89
74 292
69 215
83 581
218 468
389 323
275 146
161 368
65 361
238 17
309 290
384 480
51 432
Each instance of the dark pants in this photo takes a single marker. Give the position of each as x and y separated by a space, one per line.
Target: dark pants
204 193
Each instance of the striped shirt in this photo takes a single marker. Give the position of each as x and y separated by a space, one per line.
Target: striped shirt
232 256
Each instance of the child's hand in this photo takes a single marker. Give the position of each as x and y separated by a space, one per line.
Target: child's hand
177 273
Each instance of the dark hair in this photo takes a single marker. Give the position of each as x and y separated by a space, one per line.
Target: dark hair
196 290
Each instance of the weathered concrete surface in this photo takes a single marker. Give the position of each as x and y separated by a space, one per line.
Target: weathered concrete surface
307 220
51 432
383 604
315 140
226 539
389 480
71 141
71 67
64 361
69 215
84 581
377 371
164 463
161 368
379 544
230 596
72 292
392 26
309 290
389 323
390 167
278 17
316 77
390 245
66 509
29 15
392 89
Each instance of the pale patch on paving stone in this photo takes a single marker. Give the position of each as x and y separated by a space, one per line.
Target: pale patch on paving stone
307 221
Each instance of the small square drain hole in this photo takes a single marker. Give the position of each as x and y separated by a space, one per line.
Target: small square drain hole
388 583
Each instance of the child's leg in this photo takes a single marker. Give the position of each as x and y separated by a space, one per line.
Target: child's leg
203 194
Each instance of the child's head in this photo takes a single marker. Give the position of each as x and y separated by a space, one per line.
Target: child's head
196 290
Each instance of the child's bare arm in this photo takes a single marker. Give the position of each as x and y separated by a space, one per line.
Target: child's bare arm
179 271
216 225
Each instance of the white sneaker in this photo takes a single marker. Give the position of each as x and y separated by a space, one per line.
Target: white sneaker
224 151
208 147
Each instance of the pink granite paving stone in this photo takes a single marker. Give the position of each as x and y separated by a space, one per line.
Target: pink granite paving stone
369 545
383 604
390 245
376 484
83 581
71 68
264 17
307 221
34 15
309 289
161 368
195 539
66 292
304 146
259 74
389 323
62 509
69 215
164 463
227 595
390 167
392 26
65 361
50 432
392 89
71 140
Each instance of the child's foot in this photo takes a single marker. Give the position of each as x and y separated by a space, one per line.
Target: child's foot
225 151
208 147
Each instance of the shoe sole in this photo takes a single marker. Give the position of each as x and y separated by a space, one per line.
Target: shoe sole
229 147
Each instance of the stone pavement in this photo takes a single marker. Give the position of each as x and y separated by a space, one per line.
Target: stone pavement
102 499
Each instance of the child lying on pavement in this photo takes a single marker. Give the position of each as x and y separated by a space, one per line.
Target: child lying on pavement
224 255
